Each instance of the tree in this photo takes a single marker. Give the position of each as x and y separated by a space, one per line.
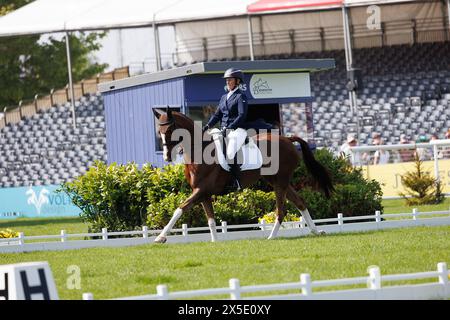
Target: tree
28 66
420 186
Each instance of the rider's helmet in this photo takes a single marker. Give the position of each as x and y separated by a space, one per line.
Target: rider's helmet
234 73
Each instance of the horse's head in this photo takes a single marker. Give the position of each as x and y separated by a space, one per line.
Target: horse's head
166 128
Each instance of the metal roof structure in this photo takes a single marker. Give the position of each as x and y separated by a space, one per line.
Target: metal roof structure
258 66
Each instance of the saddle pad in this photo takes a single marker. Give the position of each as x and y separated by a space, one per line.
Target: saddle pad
252 156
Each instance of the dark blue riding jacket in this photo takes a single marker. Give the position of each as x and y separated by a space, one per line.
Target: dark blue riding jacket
232 112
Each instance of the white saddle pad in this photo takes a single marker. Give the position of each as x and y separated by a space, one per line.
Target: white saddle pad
252 156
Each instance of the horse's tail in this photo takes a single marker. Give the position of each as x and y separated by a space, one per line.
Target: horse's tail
319 173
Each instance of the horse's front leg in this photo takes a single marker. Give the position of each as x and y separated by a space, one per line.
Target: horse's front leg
185 206
209 210
280 194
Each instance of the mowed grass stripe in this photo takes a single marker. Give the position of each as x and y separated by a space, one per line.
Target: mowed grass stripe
130 271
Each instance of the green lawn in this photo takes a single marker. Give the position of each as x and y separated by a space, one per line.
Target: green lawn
45 226
116 272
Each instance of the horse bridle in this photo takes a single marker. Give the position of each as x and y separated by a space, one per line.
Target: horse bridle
169 123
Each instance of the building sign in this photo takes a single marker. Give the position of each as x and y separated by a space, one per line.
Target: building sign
269 86
279 85
39 201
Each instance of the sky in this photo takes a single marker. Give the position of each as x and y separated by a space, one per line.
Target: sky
135 47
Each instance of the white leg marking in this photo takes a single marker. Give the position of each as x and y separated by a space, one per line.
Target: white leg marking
165 150
212 228
310 223
175 217
275 229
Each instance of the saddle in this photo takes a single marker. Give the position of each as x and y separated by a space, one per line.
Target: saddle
235 141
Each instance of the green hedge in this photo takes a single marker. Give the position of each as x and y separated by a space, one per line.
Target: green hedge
124 197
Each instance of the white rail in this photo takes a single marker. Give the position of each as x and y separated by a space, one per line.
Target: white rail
377 221
372 290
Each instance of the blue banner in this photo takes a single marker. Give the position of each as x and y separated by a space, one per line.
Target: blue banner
35 202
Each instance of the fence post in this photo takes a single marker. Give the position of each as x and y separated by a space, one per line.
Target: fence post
104 233
377 216
162 292
263 225
88 296
374 280
224 227
443 277
305 280
415 213
302 223
340 217
184 230
63 236
21 239
235 287
145 232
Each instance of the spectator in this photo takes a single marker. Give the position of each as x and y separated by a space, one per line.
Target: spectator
380 156
424 154
355 158
405 155
445 150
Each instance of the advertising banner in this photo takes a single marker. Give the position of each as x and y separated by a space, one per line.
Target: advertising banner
390 175
39 201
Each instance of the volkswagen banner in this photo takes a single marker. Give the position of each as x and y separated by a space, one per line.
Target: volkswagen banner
39 201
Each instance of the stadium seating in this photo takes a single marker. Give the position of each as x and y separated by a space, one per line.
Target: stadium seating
406 91
45 148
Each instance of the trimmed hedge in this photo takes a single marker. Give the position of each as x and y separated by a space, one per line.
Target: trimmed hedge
124 197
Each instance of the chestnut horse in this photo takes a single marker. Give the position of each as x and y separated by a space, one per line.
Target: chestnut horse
210 179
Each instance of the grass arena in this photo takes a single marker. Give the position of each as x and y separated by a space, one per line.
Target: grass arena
291 150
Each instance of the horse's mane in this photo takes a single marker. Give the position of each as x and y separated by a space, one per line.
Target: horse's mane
184 117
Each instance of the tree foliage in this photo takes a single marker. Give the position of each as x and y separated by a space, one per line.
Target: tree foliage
420 186
29 66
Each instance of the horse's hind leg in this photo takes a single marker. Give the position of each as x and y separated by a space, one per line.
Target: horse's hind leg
300 204
280 194
185 206
209 210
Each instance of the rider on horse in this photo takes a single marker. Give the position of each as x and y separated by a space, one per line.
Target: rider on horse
232 112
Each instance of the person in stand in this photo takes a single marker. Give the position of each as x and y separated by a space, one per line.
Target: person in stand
232 114
445 150
423 153
355 158
405 155
380 156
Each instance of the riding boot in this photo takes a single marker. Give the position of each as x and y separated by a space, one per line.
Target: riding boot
235 170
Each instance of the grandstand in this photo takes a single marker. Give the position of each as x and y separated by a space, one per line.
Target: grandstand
404 92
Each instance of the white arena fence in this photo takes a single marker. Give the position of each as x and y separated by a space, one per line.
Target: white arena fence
226 232
372 290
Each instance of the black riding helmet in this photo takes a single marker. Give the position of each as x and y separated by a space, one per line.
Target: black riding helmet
234 73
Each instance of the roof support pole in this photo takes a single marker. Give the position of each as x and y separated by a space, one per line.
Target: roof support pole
69 69
156 45
349 62
250 37
448 12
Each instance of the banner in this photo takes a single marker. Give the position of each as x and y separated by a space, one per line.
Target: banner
281 85
39 201
389 175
